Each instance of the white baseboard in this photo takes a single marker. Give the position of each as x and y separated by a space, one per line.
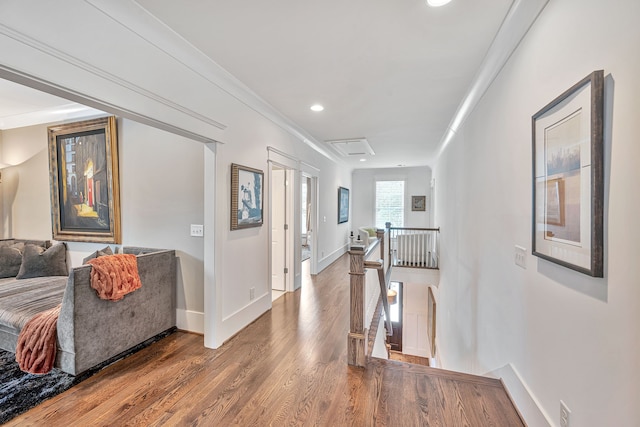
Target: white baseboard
415 351
236 321
188 320
326 261
521 396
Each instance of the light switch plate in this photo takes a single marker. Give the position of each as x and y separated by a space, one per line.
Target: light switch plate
521 256
197 230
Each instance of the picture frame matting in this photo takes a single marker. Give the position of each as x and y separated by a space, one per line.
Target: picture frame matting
568 178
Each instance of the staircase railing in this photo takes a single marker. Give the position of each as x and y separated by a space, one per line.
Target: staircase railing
413 247
367 296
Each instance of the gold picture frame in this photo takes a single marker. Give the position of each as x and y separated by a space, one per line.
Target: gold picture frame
84 184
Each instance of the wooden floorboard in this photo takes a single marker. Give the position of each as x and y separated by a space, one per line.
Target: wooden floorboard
416 360
287 368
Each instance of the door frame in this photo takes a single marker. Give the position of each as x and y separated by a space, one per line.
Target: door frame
398 327
312 172
295 168
279 188
290 219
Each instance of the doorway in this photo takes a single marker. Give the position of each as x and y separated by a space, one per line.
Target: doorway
293 221
278 232
305 218
395 312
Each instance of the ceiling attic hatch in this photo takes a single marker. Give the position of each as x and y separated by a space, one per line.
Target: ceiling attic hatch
352 147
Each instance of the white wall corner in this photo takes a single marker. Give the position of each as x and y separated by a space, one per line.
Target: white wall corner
188 320
521 396
241 318
329 259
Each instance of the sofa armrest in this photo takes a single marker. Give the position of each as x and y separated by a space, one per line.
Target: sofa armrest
365 237
92 330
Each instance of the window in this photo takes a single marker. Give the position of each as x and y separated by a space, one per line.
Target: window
389 203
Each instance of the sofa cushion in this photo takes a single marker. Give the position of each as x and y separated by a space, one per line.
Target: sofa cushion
10 259
102 252
40 262
7 242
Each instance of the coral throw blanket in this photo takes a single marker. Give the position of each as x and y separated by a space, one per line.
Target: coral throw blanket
114 276
36 348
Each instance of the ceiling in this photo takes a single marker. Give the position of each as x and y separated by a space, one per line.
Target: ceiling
22 106
393 72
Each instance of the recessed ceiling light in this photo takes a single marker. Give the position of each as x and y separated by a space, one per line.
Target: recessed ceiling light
363 160
317 107
437 3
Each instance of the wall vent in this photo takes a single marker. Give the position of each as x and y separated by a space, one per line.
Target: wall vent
352 147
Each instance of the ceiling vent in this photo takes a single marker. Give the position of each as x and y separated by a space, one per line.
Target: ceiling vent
352 147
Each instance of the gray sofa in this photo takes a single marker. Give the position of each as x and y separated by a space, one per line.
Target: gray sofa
92 330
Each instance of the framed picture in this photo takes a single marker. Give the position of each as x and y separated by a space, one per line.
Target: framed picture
246 197
568 178
83 172
418 203
343 205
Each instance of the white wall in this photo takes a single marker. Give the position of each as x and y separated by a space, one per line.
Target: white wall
193 97
161 187
161 196
242 260
161 181
26 201
417 183
569 336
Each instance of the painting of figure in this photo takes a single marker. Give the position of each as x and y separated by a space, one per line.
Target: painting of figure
246 197
83 163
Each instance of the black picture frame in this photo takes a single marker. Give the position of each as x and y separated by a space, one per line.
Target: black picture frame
247 196
343 205
568 178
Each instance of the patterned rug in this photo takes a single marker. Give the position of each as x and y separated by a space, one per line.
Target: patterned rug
20 391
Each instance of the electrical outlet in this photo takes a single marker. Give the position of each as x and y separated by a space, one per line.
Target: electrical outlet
565 414
252 293
197 230
521 256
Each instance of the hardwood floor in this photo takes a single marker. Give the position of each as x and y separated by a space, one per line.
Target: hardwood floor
416 360
287 368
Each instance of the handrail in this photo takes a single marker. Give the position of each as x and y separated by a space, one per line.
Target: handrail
364 300
384 286
415 228
415 247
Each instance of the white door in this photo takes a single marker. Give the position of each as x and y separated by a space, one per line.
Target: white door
278 232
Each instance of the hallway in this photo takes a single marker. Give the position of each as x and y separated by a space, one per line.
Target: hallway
288 367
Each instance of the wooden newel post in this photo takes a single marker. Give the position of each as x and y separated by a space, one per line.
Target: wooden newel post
380 235
357 337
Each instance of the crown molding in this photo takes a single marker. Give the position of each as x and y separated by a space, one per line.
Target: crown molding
85 66
516 25
138 20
